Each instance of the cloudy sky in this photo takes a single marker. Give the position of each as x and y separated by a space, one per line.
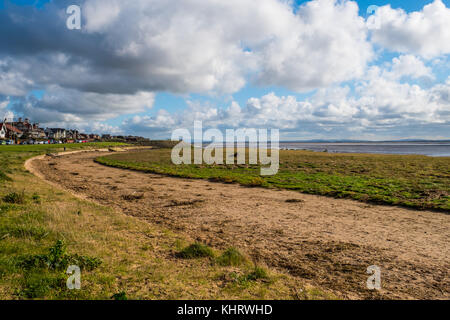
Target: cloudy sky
320 69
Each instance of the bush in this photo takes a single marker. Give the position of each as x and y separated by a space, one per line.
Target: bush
57 259
257 274
231 257
120 296
196 250
14 197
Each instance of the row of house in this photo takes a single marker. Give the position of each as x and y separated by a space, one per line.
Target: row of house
24 130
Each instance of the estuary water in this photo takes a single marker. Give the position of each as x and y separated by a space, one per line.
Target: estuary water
434 149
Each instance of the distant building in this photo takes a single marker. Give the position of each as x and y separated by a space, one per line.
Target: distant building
28 129
11 132
72 134
55 133
94 137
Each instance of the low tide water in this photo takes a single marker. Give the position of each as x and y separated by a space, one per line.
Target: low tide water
434 149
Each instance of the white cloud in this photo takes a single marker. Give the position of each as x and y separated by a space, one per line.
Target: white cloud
325 44
378 102
425 32
410 66
69 105
187 46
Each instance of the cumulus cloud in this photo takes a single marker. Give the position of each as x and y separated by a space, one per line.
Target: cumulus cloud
127 51
187 46
409 66
425 32
59 104
379 102
325 43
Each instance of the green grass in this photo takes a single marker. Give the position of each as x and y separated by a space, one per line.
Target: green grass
196 250
231 257
412 181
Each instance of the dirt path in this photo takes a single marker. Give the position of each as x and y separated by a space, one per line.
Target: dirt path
330 242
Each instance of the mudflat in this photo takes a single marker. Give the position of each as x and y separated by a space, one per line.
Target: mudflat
330 242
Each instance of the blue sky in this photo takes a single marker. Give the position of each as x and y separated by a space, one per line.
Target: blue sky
314 70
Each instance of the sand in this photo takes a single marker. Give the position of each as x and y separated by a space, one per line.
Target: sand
328 242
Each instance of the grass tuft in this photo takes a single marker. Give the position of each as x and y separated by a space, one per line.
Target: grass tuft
57 259
15 198
120 296
196 250
231 257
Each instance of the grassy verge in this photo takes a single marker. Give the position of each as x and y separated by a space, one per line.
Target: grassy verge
412 181
43 230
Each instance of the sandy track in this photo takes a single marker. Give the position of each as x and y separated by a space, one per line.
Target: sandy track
329 242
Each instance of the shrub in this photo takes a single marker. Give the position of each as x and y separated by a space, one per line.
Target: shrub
14 197
120 296
196 250
57 259
257 274
231 257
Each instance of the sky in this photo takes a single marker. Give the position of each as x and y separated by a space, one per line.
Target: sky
320 69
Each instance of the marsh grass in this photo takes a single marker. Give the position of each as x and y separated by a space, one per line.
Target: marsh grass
231 257
196 250
413 181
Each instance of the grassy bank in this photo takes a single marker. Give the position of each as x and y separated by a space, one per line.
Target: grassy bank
43 230
412 181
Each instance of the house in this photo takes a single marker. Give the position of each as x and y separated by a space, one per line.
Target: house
72 134
94 137
28 129
56 133
12 132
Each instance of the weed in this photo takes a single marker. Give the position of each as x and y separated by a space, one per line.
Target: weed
14 197
39 285
57 259
294 201
231 257
132 197
258 273
120 296
36 198
196 250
